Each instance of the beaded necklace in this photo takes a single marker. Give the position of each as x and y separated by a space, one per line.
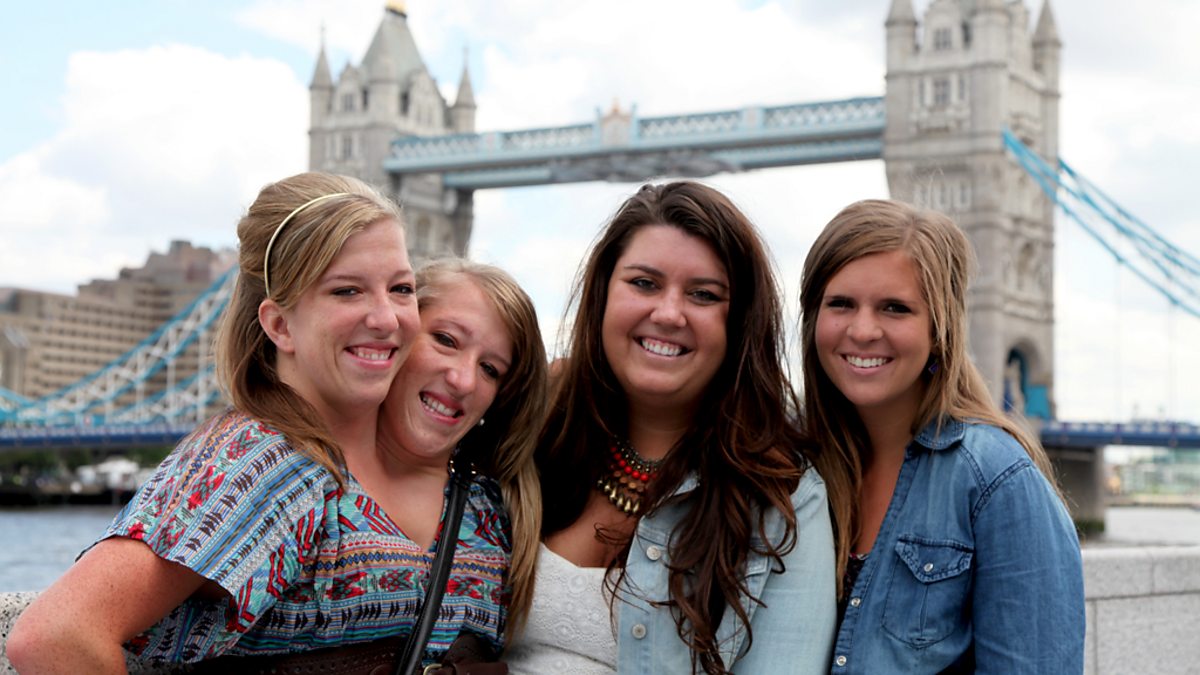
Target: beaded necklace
629 474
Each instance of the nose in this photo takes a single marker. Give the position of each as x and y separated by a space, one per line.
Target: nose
864 327
461 376
382 314
669 310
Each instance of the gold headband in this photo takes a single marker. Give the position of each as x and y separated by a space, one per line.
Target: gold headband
284 222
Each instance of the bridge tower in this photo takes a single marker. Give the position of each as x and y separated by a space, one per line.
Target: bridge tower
954 81
391 95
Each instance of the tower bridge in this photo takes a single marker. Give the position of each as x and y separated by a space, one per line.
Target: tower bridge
968 124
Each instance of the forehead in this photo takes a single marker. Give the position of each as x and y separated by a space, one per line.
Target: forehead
669 249
892 274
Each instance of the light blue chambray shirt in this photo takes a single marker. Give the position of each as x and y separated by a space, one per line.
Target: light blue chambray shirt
793 629
976 567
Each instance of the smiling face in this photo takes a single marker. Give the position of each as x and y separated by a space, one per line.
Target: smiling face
663 331
451 377
873 335
340 345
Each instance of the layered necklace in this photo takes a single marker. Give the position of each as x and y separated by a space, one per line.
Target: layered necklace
628 475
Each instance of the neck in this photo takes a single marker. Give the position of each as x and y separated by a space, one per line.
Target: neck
391 458
653 435
889 434
354 436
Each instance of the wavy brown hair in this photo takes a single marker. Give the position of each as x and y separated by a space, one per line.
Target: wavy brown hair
742 445
302 251
503 447
944 261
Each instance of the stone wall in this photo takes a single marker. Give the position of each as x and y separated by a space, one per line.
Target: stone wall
1142 610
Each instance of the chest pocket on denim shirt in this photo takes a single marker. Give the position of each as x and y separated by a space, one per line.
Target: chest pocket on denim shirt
927 594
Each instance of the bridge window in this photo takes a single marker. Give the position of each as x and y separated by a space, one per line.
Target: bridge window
942 40
404 103
365 96
347 102
941 91
347 146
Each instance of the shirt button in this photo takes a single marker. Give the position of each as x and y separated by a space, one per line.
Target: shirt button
928 567
855 602
638 631
840 660
653 552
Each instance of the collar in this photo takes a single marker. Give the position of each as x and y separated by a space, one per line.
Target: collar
951 431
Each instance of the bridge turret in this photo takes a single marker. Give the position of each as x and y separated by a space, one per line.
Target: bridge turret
462 113
901 34
972 75
320 95
390 95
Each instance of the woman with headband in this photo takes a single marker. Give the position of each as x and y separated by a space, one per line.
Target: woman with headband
267 531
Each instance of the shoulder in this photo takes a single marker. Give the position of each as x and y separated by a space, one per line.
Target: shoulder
811 488
993 451
983 451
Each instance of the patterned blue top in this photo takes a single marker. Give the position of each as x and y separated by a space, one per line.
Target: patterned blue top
306 564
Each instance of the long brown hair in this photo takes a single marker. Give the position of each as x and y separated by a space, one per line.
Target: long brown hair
503 447
300 254
742 446
944 260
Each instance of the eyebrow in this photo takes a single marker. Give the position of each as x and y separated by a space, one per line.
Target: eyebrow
654 271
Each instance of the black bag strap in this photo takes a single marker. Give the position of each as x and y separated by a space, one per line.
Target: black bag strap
439 573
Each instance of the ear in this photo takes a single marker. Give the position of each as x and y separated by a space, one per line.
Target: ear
275 324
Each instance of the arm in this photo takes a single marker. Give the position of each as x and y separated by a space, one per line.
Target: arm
796 625
1027 605
114 592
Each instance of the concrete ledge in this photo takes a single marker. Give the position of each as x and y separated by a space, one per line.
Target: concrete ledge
1142 605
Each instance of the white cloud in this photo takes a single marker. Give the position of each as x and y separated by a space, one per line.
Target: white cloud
157 144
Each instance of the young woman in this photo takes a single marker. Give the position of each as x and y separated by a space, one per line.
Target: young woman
963 558
268 530
479 349
685 527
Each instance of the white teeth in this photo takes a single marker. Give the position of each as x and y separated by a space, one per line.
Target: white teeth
372 354
859 362
437 406
661 348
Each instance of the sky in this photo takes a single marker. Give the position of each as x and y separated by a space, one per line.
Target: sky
128 125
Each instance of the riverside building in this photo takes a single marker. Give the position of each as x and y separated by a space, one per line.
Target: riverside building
49 341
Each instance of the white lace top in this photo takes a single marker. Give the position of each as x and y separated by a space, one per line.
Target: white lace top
569 629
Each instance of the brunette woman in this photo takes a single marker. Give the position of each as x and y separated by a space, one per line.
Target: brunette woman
685 527
963 558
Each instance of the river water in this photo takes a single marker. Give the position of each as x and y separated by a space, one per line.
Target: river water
39 544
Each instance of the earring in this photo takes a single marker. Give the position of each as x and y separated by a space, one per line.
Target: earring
933 367
480 422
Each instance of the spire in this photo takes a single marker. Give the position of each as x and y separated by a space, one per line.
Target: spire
322 78
1047 31
394 43
466 93
901 12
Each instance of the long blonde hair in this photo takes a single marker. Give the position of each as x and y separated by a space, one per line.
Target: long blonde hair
302 250
944 261
503 447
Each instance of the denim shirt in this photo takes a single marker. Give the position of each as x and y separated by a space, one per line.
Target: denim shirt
976 567
793 628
